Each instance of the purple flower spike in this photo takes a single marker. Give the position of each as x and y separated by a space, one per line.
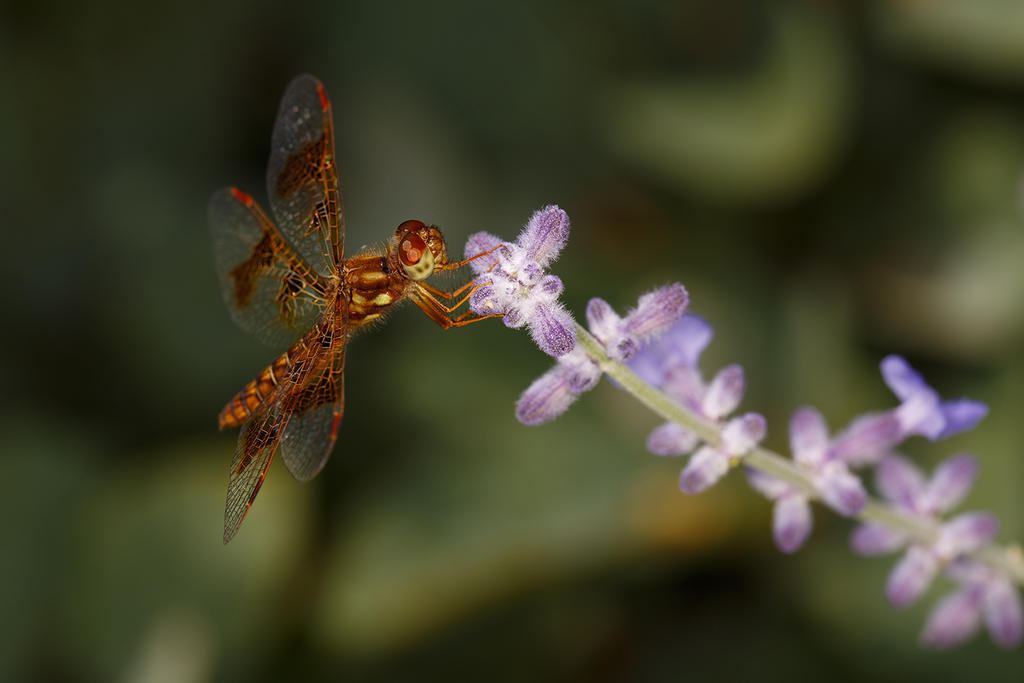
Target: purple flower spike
657 311
545 235
515 285
791 523
923 411
705 468
911 576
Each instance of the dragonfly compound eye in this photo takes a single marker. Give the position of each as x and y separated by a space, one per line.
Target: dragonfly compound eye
416 257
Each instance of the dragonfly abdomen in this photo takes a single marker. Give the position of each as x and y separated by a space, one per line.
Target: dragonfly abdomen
256 394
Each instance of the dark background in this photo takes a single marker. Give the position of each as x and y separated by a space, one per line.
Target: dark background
832 181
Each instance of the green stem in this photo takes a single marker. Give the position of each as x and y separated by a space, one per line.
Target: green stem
1009 559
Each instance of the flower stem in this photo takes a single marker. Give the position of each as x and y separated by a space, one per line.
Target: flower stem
1007 559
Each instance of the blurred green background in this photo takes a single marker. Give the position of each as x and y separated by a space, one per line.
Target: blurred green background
832 181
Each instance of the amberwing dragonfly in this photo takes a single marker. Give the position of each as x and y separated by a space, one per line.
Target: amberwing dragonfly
290 280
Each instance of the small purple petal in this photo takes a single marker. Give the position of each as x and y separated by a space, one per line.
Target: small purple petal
961 414
530 274
949 483
514 318
671 439
725 392
705 468
603 321
743 433
625 348
545 235
767 485
1004 614
922 414
791 522
685 385
552 287
867 439
657 311
808 436
902 379
479 243
584 374
841 490
553 330
966 533
692 335
484 300
875 539
900 482
548 397
911 576
953 620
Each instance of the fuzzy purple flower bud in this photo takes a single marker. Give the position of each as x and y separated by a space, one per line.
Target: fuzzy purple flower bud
553 330
545 235
875 539
602 320
481 243
966 533
725 392
808 436
705 468
841 489
657 311
671 439
1004 614
867 439
548 397
791 523
949 484
552 286
911 576
953 621
741 434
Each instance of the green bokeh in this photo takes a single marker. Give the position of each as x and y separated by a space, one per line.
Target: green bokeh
832 182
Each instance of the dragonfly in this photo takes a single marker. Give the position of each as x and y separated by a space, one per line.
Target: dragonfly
286 280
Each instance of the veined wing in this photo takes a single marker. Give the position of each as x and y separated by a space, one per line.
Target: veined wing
313 428
302 178
303 423
270 290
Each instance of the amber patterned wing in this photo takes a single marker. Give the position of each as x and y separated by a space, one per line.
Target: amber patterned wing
303 424
269 288
302 178
313 428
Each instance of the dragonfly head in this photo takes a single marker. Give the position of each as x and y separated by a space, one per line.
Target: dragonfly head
421 248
